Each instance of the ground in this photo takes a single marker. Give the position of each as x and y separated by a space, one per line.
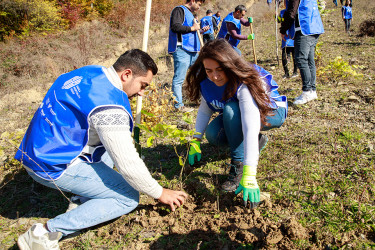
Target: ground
318 167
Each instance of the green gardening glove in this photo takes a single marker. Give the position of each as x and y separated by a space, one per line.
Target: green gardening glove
249 186
195 150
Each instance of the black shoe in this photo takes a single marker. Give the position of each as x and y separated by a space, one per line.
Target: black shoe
235 175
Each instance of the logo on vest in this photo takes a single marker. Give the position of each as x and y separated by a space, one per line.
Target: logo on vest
217 105
72 82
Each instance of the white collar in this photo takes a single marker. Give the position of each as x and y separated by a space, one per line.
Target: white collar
113 77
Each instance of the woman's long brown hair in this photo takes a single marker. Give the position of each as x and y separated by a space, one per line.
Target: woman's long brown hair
238 71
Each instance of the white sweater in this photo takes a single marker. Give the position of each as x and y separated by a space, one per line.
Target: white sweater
110 126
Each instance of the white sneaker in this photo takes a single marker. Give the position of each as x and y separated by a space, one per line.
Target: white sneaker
313 95
303 98
34 239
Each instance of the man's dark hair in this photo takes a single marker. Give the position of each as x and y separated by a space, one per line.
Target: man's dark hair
240 8
136 60
208 12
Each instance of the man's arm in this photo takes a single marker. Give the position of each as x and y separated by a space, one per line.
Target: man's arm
232 31
112 127
177 19
289 16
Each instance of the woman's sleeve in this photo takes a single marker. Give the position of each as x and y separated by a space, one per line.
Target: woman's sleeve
203 117
250 118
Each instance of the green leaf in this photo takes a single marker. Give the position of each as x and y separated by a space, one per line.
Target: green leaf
150 141
180 161
147 113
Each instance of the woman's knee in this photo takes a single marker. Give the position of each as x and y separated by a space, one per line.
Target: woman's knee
231 111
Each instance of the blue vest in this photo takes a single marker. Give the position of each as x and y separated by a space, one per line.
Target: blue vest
190 41
290 33
309 18
347 12
207 20
223 33
218 18
58 132
213 94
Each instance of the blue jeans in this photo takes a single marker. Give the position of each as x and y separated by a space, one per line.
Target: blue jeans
182 60
110 196
226 129
304 50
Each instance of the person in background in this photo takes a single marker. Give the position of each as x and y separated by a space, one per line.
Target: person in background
287 47
80 131
208 21
304 17
231 27
183 44
335 2
269 2
347 15
246 98
217 17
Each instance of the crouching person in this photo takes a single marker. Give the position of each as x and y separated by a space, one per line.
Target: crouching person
246 98
80 131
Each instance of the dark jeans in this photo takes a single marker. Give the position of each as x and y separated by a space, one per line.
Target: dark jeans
347 24
208 37
287 53
304 49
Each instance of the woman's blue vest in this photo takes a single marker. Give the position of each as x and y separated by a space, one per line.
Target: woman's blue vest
58 132
213 94
347 12
309 18
207 20
190 41
223 33
290 33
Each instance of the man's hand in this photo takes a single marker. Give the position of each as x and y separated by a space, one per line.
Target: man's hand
195 26
284 36
195 150
205 28
172 198
249 186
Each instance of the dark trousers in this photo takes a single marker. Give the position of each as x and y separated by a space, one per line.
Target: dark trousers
304 49
347 24
208 37
287 53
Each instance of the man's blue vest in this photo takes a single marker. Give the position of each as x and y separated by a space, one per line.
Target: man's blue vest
213 94
218 18
347 12
190 41
207 20
58 132
309 18
223 33
290 33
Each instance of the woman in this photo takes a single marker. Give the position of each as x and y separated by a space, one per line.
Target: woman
246 98
347 15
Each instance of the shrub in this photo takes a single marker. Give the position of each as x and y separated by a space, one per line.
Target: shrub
338 69
19 17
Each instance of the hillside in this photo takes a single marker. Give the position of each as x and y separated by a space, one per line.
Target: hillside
319 167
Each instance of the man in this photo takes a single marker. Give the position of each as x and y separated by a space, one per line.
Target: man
304 17
287 47
208 21
231 27
184 45
82 128
217 17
